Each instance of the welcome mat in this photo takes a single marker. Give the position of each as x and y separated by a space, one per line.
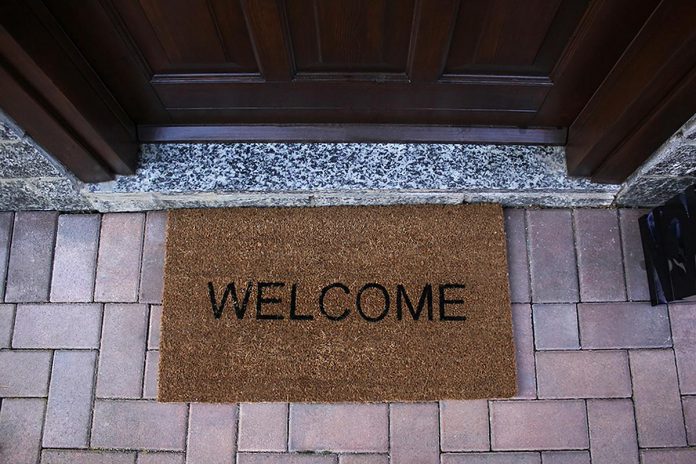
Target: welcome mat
390 303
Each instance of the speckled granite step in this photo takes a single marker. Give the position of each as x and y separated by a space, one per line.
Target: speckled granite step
193 175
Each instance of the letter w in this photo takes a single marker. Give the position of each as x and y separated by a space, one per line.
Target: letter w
230 290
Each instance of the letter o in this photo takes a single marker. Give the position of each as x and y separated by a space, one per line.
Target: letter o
358 302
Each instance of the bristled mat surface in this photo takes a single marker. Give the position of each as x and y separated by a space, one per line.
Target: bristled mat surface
384 303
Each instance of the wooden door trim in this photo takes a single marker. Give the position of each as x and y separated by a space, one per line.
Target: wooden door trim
54 94
377 133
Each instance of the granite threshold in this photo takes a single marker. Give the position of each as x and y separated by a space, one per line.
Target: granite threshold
124 202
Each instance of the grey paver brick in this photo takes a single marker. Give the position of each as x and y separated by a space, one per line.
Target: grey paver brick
75 259
31 257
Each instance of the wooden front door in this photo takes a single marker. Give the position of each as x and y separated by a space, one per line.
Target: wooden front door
503 71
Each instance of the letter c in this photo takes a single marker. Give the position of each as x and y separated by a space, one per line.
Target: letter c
324 291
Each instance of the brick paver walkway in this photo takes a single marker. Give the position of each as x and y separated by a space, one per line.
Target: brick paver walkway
603 377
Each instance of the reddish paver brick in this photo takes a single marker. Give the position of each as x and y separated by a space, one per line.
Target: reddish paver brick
20 430
555 327
86 457
152 274
672 456
524 350
6 221
600 270
464 425
634 262
31 256
69 410
122 351
414 433
153 337
656 398
127 424
538 425
683 317
515 230
277 458
491 458
552 256
151 370
145 457
612 432
583 374
624 325
57 326
565 457
689 405
75 259
212 433
363 459
24 373
339 427
7 312
118 266
263 427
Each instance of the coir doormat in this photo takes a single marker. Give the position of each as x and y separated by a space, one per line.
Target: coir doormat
392 303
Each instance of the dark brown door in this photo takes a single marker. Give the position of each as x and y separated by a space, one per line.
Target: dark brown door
470 70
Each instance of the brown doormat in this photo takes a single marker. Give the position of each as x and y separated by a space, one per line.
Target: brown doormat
392 303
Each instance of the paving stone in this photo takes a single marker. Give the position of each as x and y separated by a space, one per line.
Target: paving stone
538 425
624 325
583 374
277 458
75 259
20 430
145 457
212 434
491 458
516 233
668 456
524 350
31 256
414 433
555 327
124 424
263 427
57 326
153 337
656 399
7 312
151 372
24 373
363 459
69 411
598 242
683 317
339 427
122 353
612 432
6 221
464 425
552 256
565 457
87 457
118 266
634 261
689 405
152 274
